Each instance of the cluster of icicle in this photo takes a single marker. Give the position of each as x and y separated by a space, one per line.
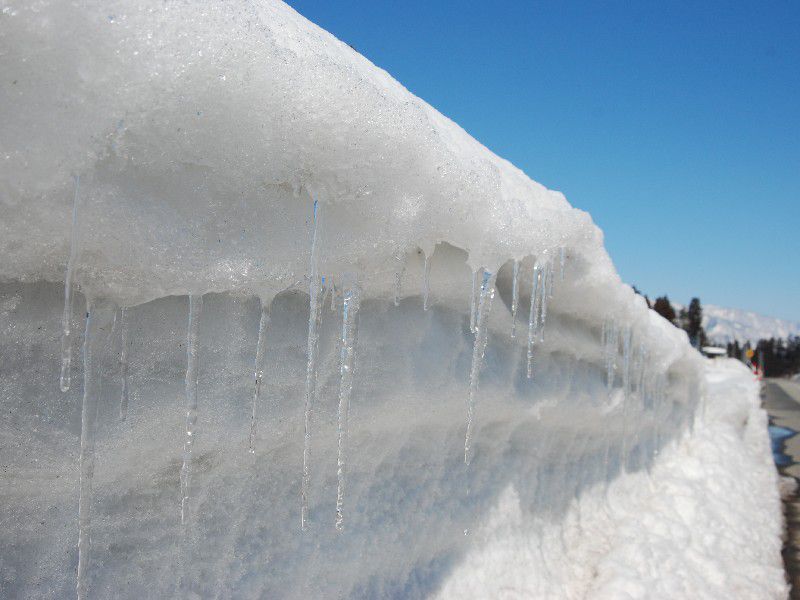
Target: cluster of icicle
547 269
639 377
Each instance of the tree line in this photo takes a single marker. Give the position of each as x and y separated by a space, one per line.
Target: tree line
780 357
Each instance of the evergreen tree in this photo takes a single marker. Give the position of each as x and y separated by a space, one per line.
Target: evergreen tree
663 307
694 323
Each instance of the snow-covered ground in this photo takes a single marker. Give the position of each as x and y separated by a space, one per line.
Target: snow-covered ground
316 341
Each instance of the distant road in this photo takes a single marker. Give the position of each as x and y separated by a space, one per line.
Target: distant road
781 399
781 394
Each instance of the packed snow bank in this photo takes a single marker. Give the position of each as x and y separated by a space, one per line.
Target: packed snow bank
704 522
341 244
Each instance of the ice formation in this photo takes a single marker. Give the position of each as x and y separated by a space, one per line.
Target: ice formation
162 157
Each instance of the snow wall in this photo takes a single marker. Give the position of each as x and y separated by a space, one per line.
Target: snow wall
347 403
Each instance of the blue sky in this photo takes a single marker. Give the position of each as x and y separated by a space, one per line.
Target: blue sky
675 124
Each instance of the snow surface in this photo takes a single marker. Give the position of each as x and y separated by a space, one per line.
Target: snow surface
192 143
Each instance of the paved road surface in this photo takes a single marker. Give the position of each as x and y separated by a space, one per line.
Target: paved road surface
781 399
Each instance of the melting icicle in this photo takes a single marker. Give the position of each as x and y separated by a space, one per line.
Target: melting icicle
533 315
66 321
98 321
314 293
473 301
195 309
123 364
562 252
426 282
478 351
546 294
514 298
346 366
261 345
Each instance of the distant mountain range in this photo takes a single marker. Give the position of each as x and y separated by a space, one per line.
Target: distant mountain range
725 325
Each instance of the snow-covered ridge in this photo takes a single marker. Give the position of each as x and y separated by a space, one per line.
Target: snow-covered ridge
341 244
725 325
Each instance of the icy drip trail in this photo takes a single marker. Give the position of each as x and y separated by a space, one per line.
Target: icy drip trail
315 307
123 364
426 282
478 350
98 322
627 338
398 281
514 298
533 316
351 304
66 321
195 309
261 345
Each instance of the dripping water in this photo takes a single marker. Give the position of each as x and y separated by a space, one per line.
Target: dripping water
195 310
350 308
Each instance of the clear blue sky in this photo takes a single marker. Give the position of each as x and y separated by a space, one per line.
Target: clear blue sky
675 124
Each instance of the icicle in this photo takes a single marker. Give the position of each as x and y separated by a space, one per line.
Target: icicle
426 282
563 260
66 320
611 355
478 351
626 387
514 298
123 364
346 367
261 345
533 315
398 280
314 293
98 320
473 301
546 294
195 309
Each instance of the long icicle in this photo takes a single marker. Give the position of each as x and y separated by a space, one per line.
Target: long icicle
514 298
66 320
123 364
473 303
352 300
195 309
98 323
533 315
478 351
261 345
314 292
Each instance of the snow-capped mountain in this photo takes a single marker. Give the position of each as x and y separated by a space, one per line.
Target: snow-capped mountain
724 325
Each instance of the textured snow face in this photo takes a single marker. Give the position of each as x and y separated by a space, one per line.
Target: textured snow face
321 276
728 324
704 522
